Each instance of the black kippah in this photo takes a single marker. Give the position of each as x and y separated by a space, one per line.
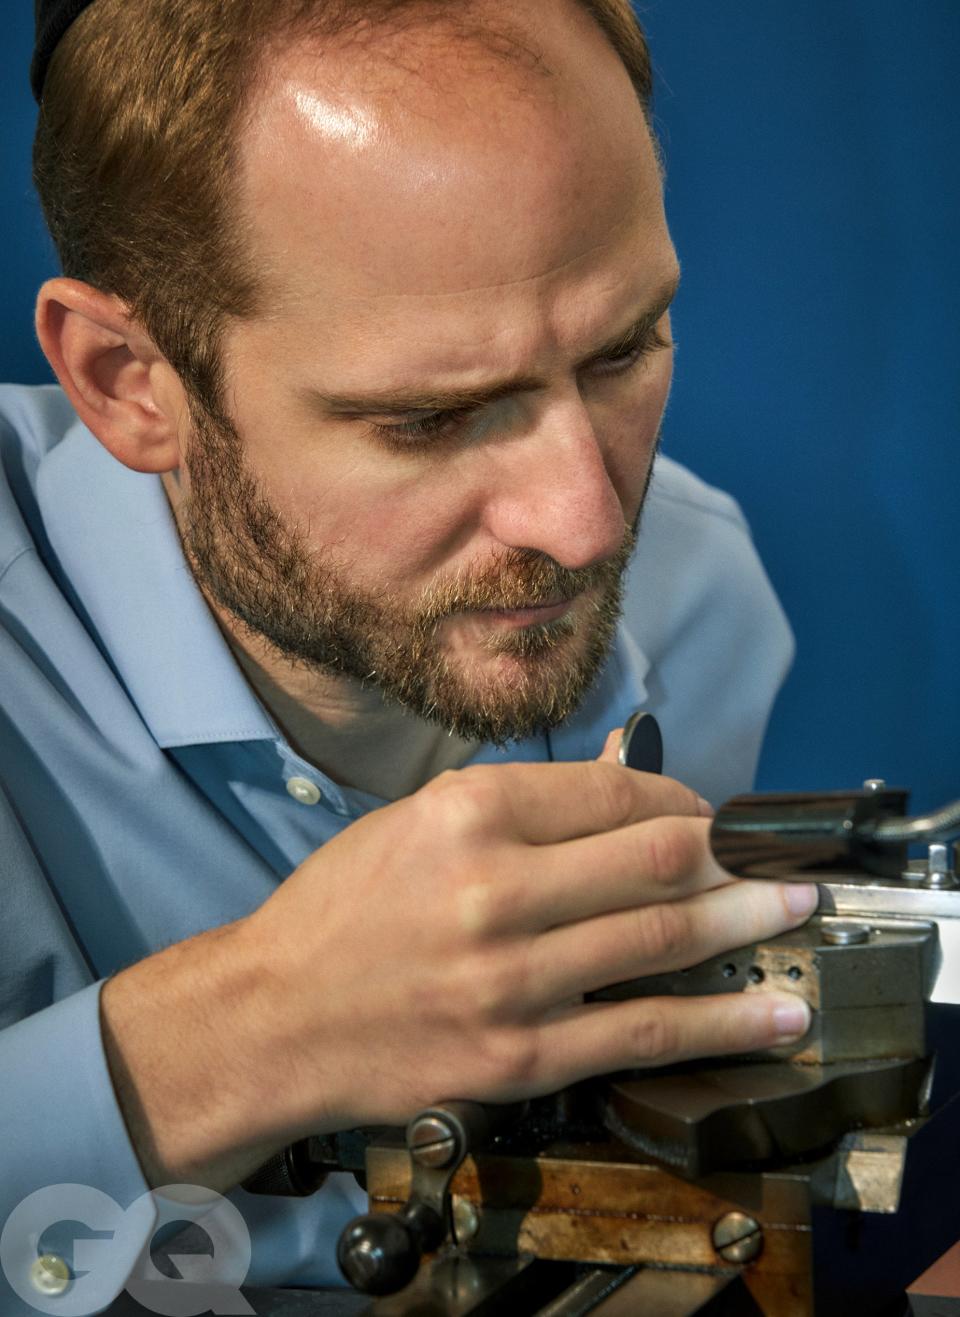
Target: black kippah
53 19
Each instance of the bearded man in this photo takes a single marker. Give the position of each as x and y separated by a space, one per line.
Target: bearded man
321 601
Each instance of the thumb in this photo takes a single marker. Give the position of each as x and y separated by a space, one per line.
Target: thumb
610 754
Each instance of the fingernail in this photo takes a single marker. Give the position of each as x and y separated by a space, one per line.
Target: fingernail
791 1019
706 809
802 899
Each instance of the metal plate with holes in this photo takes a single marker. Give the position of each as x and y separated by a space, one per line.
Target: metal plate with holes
894 965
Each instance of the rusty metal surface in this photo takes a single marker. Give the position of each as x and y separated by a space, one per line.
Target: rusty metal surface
616 1213
599 1179
865 1173
896 965
590 1204
585 1205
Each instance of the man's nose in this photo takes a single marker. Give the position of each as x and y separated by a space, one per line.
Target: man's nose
554 493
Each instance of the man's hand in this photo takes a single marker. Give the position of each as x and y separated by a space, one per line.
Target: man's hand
440 947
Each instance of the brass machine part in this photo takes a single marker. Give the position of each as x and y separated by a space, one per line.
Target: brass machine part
841 1220
589 1205
784 1234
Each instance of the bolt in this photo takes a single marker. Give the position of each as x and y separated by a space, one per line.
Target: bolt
431 1142
466 1219
845 935
874 784
939 866
737 1237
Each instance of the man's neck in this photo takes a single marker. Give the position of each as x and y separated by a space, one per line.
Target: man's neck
341 727
346 731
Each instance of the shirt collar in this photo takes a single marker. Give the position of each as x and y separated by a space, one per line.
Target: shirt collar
115 537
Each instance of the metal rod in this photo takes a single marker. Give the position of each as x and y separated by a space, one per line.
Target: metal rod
942 825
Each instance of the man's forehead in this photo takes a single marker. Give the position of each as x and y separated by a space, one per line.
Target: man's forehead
348 188
436 371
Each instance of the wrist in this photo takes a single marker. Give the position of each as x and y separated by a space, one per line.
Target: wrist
190 1046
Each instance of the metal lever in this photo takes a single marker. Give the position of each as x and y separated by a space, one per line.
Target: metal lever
380 1253
940 826
788 836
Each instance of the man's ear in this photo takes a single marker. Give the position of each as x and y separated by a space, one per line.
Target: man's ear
120 385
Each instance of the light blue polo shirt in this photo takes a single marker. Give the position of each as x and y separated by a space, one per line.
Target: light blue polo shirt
146 794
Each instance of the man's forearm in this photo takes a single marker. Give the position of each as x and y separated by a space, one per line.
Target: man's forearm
187 1043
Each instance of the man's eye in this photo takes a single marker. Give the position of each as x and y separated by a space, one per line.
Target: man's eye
652 342
432 425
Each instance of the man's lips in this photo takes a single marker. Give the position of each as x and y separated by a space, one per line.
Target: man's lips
538 613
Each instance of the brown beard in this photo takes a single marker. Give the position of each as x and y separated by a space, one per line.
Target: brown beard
251 562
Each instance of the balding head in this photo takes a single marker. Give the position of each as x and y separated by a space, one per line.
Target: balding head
444 156
135 155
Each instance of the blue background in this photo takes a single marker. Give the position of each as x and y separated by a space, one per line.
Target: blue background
813 153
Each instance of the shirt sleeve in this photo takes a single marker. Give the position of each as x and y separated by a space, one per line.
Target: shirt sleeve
65 1152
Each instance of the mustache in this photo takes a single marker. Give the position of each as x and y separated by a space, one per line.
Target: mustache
519 578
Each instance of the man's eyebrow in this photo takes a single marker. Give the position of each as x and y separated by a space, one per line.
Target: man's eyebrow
398 401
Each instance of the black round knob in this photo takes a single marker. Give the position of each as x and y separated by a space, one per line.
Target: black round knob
378 1253
641 745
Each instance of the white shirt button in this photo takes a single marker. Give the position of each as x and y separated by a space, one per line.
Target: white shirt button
50 1274
302 789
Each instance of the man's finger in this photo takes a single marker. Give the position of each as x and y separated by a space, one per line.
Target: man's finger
661 859
559 802
602 1037
610 754
566 962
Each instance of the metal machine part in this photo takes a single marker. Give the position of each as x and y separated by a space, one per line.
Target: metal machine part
861 1065
301 1168
865 983
380 1253
555 1217
854 845
793 835
704 1119
840 1233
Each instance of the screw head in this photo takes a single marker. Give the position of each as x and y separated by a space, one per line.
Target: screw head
737 1237
431 1142
846 934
